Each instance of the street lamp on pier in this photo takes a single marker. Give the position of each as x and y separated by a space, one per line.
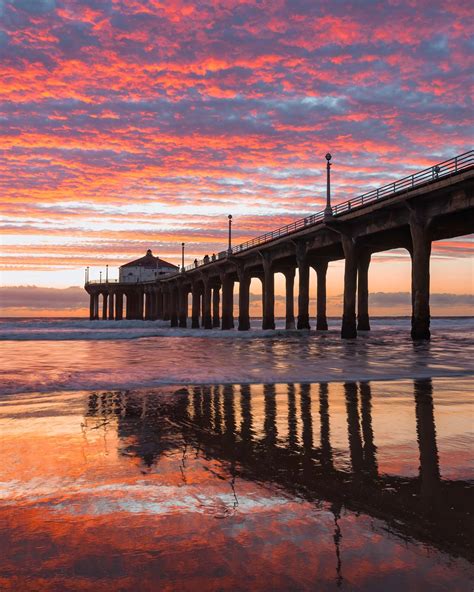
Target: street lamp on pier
328 208
182 257
229 248
86 275
106 274
100 277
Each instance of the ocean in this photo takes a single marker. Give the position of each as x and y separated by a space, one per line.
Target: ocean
138 457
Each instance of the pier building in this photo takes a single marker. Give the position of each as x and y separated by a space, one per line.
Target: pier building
146 269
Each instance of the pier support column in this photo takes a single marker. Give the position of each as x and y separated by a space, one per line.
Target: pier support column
128 306
173 306
303 292
91 307
321 319
244 301
131 305
196 306
268 293
349 330
104 306
183 306
111 306
227 302
166 304
363 262
290 299
148 305
119 306
216 297
140 311
154 303
206 304
159 304
420 278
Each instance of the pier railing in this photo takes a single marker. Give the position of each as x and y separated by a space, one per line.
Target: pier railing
105 282
114 282
442 169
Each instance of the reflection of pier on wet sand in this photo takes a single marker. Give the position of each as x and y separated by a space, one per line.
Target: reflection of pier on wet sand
284 438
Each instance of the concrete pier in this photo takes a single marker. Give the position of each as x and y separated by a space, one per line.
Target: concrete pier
227 321
420 276
363 262
244 301
349 329
321 268
216 297
174 306
303 281
268 321
289 298
206 304
196 305
183 306
409 214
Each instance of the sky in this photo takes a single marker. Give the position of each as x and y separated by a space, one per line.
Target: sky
135 124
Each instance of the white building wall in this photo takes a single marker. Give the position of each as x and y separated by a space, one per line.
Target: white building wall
132 275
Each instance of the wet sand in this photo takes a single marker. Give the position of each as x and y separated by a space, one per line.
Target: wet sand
342 485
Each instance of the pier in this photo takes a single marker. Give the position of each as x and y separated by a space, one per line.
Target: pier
434 204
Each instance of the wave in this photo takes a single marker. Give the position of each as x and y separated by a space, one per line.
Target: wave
219 357
62 329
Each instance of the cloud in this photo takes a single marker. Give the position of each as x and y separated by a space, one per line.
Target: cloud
34 6
38 298
140 110
439 300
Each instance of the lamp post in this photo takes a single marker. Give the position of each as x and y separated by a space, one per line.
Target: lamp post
106 274
328 209
86 275
229 248
182 257
100 277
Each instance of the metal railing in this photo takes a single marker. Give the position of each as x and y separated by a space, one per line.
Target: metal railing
106 282
443 169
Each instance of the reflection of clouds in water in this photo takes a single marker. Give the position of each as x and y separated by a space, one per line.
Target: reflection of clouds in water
261 480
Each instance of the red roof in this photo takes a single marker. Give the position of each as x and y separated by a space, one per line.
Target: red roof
150 262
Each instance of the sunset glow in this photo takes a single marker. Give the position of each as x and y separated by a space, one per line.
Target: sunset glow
129 125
